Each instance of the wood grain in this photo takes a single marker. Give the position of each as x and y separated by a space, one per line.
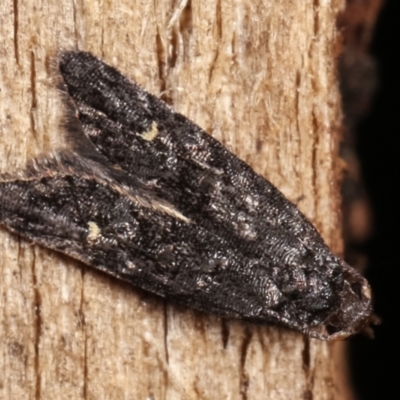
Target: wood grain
259 76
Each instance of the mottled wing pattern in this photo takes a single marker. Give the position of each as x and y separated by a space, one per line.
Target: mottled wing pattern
156 201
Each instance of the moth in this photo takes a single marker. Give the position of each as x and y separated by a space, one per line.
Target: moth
147 196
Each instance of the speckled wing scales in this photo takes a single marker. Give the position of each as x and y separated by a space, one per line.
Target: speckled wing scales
146 195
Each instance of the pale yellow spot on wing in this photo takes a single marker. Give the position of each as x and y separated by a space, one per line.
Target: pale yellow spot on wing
151 134
94 231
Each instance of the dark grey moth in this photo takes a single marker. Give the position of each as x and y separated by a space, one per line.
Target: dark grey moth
146 195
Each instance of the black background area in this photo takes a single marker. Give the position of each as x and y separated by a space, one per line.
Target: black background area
375 364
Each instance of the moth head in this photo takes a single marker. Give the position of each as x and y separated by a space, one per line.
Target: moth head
354 313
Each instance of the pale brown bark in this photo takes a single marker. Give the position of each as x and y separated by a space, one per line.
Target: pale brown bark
259 76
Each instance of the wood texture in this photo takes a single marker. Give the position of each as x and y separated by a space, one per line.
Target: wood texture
259 76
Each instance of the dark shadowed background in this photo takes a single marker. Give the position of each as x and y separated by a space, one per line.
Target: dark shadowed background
375 363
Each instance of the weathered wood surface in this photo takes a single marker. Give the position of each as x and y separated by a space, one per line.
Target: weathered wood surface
259 76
